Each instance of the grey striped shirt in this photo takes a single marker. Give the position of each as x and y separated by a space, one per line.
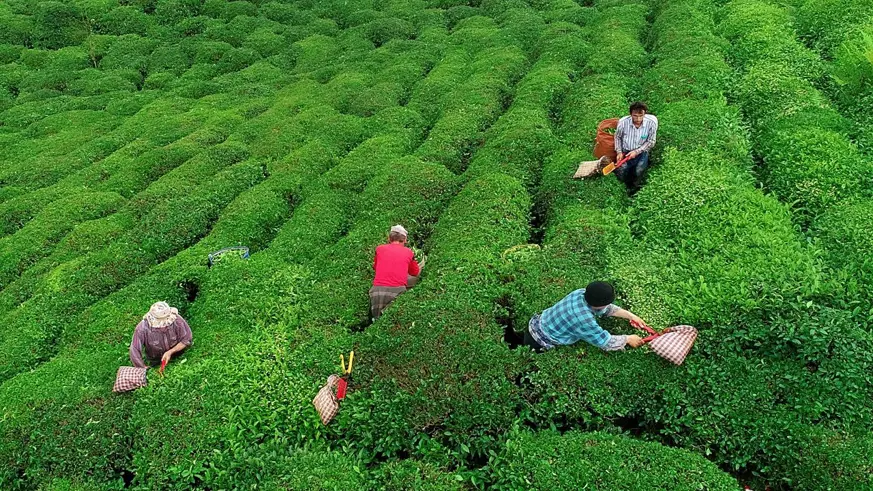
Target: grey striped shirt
628 137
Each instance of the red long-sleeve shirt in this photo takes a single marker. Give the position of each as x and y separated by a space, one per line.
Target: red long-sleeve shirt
393 263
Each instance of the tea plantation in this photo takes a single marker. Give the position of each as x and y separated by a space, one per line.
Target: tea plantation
139 136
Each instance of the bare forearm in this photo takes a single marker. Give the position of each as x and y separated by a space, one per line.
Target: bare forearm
624 314
175 349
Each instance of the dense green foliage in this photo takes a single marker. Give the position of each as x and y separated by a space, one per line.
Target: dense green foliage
136 137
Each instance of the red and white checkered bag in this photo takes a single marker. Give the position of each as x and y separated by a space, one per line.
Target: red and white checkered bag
325 401
129 378
672 344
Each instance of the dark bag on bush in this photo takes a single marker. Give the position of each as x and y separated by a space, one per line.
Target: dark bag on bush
604 143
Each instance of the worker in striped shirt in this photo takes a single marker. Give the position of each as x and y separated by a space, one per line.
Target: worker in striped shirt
635 138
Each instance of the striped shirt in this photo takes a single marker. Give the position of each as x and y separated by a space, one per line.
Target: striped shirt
628 137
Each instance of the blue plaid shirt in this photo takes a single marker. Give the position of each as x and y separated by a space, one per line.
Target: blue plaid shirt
572 319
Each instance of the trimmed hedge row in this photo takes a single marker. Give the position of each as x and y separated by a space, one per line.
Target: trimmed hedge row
167 228
339 275
251 219
852 91
720 295
36 239
549 460
798 134
472 106
825 24
447 377
808 158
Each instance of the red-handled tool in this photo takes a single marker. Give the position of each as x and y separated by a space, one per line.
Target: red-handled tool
163 366
611 167
343 382
652 333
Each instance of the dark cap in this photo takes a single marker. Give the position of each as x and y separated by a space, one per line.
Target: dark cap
599 294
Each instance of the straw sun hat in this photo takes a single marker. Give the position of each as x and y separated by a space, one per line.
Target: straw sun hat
161 315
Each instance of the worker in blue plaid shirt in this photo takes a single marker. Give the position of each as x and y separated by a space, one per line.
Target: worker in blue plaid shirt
574 318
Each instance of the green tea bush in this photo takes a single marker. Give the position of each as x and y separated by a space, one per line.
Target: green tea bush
787 109
419 193
366 161
816 168
17 29
757 31
314 51
712 124
128 51
57 25
430 94
239 8
37 238
169 58
515 146
551 460
825 24
265 42
169 12
124 20
251 219
848 252
474 105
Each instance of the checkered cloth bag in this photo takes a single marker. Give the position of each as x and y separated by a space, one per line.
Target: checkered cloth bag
325 401
129 378
672 344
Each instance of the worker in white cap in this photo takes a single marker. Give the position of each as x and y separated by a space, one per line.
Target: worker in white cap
396 271
162 332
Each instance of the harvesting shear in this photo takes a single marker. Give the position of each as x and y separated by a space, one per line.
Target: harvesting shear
652 333
343 382
163 366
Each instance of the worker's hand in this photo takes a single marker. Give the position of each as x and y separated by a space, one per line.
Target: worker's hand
619 157
633 154
636 319
634 341
166 357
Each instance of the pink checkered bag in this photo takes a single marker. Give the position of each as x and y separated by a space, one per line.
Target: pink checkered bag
325 401
672 344
129 378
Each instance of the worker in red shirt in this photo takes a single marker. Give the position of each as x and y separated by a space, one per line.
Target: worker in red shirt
396 271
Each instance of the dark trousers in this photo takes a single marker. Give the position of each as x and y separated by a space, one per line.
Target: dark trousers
632 172
531 343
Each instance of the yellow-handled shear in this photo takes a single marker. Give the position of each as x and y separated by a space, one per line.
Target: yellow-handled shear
351 361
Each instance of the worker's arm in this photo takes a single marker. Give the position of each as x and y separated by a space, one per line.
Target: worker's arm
136 345
623 314
172 351
619 341
414 268
183 334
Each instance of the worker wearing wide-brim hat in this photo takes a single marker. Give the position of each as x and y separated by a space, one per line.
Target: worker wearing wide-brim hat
162 332
396 271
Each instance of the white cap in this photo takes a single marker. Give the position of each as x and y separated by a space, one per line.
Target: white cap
400 230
